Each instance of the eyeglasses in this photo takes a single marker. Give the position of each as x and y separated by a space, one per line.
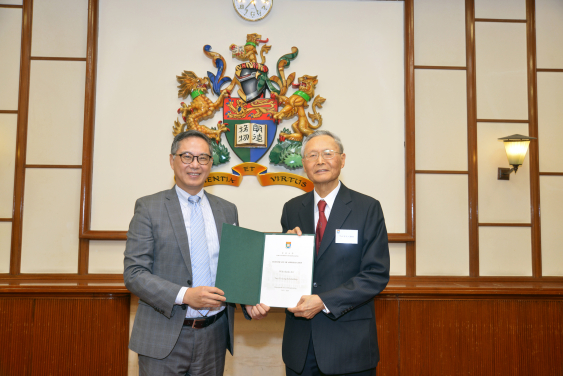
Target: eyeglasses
202 159
326 154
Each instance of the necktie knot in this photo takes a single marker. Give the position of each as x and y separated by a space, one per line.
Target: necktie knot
194 199
322 206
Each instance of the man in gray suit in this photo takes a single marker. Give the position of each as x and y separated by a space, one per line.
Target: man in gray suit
333 331
183 325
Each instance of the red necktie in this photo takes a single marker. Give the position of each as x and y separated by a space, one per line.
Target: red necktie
321 224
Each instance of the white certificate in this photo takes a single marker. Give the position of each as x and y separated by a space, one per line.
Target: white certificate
287 272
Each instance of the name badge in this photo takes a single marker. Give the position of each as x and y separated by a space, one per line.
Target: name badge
347 236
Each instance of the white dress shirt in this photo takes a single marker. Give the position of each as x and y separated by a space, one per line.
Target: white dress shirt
329 199
212 244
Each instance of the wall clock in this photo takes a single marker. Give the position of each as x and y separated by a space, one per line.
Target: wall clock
253 10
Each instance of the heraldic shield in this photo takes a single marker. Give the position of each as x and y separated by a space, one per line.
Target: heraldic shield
252 126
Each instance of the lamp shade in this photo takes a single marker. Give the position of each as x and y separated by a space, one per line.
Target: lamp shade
516 148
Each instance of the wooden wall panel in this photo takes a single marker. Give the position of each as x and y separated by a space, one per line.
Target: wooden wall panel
424 328
57 334
16 314
481 337
386 314
98 344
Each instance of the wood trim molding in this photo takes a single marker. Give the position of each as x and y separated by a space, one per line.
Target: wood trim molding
473 188
431 285
499 20
21 138
431 279
551 173
534 160
419 281
505 224
501 121
88 135
452 287
400 238
410 162
44 278
411 260
442 67
8 111
549 70
51 166
441 172
104 235
52 58
122 235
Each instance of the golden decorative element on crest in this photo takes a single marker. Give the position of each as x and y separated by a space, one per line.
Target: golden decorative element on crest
240 109
200 108
296 104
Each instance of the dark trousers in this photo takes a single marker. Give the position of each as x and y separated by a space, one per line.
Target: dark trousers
312 368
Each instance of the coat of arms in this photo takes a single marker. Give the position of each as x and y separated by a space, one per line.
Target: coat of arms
250 120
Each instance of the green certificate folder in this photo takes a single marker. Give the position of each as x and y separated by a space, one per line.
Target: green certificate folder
245 255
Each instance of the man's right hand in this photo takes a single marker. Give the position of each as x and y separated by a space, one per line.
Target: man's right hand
296 230
203 296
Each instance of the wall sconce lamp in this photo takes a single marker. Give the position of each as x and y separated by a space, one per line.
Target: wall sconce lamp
516 148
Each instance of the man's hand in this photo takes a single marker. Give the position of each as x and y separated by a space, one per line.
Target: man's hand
203 296
296 230
257 312
308 306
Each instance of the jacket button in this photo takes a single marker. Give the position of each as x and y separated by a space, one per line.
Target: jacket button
189 282
315 284
184 307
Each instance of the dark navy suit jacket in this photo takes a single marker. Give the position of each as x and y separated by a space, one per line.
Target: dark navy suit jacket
346 277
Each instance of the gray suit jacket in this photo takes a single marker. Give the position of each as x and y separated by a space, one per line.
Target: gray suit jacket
157 264
346 277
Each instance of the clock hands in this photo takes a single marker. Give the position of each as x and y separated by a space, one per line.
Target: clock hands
252 3
257 13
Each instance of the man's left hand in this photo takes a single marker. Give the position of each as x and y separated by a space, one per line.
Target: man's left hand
257 312
308 306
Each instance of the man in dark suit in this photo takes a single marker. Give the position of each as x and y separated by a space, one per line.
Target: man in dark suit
333 331
183 325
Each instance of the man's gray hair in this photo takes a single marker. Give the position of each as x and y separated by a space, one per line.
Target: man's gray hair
191 133
322 133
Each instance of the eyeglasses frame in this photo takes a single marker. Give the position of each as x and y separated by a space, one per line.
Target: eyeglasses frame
320 153
196 157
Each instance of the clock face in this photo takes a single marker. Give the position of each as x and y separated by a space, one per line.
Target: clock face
253 10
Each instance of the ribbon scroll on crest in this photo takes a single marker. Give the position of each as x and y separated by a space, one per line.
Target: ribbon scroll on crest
264 177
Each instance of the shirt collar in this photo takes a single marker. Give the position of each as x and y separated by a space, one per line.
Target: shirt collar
183 195
329 199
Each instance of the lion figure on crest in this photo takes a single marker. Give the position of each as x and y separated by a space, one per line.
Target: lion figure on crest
200 108
296 104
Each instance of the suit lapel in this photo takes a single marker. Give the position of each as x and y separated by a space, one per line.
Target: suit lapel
178 225
218 214
338 214
307 214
